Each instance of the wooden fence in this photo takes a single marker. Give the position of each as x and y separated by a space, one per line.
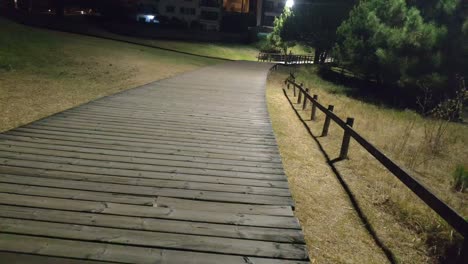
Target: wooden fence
435 203
286 59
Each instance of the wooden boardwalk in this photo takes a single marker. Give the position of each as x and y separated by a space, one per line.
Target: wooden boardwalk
183 170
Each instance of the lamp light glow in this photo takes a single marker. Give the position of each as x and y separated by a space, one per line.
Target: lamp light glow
289 3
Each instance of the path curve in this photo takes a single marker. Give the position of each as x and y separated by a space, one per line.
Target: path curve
182 170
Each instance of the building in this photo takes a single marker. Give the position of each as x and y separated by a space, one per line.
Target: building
270 10
211 14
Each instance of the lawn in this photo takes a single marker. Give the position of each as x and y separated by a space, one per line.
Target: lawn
405 225
225 51
43 72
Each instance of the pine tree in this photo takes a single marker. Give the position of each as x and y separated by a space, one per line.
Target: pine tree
391 42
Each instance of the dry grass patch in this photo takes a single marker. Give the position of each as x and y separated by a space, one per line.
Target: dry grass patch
332 229
44 72
408 227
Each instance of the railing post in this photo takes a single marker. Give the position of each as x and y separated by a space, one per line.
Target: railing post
294 89
304 105
299 98
326 125
314 108
346 139
464 251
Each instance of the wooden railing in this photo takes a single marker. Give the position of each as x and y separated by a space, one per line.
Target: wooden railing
286 58
435 203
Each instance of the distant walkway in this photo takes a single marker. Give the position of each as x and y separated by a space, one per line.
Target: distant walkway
183 170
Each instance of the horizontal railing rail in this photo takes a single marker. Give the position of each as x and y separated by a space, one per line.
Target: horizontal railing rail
286 58
435 203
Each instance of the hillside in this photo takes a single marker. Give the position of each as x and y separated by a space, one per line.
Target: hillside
43 72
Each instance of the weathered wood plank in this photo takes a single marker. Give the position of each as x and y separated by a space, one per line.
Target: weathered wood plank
151 182
141 167
167 122
123 141
147 191
108 113
47 168
111 145
136 160
31 190
127 152
119 253
258 149
241 247
223 207
160 201
227 141
150 212
149 224
156 131
21 258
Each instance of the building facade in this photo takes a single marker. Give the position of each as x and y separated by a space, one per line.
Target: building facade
209 14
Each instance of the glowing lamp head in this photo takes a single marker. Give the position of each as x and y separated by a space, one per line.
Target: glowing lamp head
289 3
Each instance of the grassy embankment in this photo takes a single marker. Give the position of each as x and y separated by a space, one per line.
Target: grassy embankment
219 50
404 224
43 72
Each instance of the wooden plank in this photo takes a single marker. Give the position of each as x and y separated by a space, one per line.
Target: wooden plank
161 201
107 110
46 168
146 191
136 160
119 253
185 204
171 120
222 245
150 212
158 130
125 152
100 139
163 124
128 108
30 190
111 145
148 224
155 239
151 182
160 134
141 167
265 149
20 258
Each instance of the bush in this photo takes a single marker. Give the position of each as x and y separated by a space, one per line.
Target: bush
460 178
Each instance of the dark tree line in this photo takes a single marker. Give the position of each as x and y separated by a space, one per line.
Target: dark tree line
406 43
409 43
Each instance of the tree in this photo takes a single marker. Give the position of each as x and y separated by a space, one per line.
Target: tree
274 38
314 23
391 42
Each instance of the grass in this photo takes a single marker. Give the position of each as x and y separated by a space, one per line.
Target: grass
331 227
405 225
43 72
219 50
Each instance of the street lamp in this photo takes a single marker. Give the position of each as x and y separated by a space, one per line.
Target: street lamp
289 3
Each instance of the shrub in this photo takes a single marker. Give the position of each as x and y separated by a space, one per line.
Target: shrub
460 178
